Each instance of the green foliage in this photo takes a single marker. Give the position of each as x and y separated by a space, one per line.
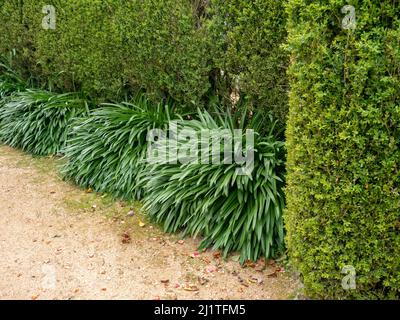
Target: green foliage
233 212
168 48
107 151
105 47
343 147
83 53
248 36
165 49
15 36
10 82
38 121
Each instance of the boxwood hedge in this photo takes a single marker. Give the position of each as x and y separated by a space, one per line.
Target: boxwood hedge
188 50
343 148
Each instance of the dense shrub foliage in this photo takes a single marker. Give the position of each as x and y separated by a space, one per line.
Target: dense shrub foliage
343 147
10 82
247 38
170 48
38 121
233 212
165 51
107 151
15 35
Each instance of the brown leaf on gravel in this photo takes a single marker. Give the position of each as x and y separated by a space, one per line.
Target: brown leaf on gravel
249 264
256 280
217 255
126 238
190 287
206 260
242 282
202 280
165 281
35 297
142 224
273 274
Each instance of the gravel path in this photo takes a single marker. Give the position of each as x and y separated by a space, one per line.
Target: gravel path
53 249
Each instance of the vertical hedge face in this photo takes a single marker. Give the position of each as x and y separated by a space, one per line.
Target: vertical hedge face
165 50
83 52
14 35
343 147
169 48
102 46
248 38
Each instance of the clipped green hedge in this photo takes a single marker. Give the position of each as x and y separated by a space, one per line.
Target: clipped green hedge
343 147
106 47
169 48
83 52
15 37
165 51
248 38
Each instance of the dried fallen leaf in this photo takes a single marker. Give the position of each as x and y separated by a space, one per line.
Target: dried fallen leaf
35 297
249 264
242 282
202 280
272 275
181 242
165 281
190 287
206 260
126 238
261 267
256 279
142 224
217 255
